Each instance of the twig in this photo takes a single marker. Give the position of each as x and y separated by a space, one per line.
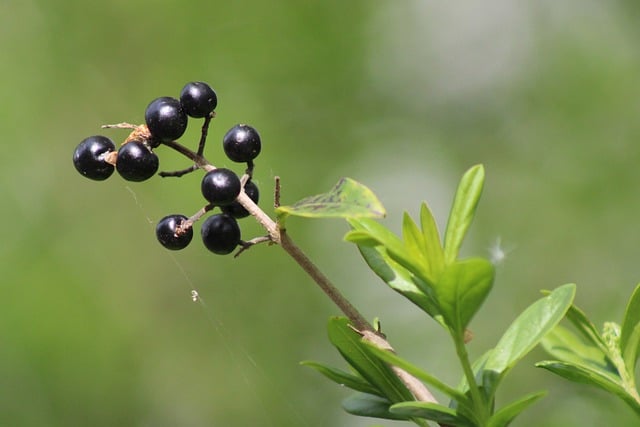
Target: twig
279 236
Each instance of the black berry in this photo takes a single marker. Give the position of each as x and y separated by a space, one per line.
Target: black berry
136 162
165 119
220 234
220 186
89 157
235 209
241 143
198 99
167 236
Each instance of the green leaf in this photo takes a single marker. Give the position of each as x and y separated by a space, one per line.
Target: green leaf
342 378
366 231
564 345
366 405
587 375
630 332
399 279
462 212
357 354
462 289
414 243
348 199
582 323
525 333
431 411
395 360
506 414
433 247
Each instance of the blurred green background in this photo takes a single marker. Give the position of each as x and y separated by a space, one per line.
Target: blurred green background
97 326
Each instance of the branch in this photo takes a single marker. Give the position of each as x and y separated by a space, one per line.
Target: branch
279 236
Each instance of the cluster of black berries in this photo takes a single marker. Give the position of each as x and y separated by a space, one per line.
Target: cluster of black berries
166 121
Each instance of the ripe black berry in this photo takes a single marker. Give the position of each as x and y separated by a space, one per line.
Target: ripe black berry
241 143
235 209
198 99
220 186
167 236
220 234
89 157
165 119
136 162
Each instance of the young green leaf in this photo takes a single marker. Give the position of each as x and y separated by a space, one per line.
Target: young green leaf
506 414
630 332
414 243
343 378
462 289
431 411
399 279
365 231
462 212
347 199
525 333
357 354
433 247
588 330
367 405
563 344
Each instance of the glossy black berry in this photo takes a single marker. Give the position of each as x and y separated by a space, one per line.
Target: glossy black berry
220 234
198 99
136 162
167 236
241 143
235 209
89 157
165 119
220 186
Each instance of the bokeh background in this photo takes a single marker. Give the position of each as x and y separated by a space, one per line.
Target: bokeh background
97 325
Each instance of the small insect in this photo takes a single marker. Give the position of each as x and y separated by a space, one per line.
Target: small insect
194 295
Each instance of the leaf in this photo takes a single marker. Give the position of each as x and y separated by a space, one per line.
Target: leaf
564 345
342 378
347 199
414 243
525 333
582 323
357 354
433 247
586 375
630 332
366 231
506 414
366 405
462 289
431 411
462 212
399 279
395 360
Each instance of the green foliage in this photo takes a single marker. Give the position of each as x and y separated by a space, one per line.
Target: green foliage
606 359
524 334
451 291
347 199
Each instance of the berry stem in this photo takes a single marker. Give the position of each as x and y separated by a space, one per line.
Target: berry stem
204 132
358 321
